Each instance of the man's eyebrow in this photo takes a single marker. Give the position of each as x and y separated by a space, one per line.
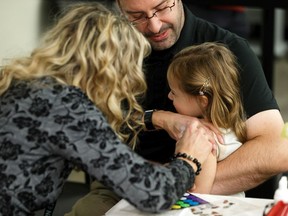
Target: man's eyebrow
134 12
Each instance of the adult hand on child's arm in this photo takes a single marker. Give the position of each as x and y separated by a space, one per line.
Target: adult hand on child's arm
175 124
195 142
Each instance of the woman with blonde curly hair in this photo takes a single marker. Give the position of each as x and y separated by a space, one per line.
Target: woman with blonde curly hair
74 102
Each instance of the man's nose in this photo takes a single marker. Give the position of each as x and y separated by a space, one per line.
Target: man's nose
154 24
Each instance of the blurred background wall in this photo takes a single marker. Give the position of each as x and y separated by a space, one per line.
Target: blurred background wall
23 21
19 27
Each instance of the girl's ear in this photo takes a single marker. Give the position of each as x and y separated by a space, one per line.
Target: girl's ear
203 101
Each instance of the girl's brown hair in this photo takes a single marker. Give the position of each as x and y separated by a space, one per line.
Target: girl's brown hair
211 69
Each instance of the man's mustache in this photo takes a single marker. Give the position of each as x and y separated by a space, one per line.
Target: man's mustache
163 29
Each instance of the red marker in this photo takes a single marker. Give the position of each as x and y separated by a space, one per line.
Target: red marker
278 209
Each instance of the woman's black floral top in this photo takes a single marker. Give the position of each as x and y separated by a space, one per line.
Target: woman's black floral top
46 129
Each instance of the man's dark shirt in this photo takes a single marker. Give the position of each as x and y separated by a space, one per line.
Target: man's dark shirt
257 97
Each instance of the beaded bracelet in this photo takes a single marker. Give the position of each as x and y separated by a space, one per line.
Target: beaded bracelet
190 158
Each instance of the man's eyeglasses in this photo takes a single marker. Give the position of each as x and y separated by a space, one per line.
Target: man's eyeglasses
143 18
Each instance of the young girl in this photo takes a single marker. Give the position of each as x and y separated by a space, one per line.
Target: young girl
204 83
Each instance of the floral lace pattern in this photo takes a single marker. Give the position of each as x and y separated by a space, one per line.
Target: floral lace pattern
46 129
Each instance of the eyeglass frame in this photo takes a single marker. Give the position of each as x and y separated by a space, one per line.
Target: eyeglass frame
147 18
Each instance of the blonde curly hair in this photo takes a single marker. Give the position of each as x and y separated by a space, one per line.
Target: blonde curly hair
97 51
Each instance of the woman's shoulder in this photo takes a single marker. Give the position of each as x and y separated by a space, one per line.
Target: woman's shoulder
49 87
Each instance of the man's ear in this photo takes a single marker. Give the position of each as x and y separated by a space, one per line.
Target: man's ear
203 99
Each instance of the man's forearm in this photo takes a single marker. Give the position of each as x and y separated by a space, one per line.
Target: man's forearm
240 172
264 154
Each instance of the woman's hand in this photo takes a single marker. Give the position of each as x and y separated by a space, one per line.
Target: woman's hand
175 124
196 142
